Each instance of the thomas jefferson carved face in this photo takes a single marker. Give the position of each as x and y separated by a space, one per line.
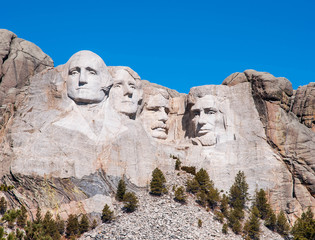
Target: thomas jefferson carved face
155 115
125 93
87 78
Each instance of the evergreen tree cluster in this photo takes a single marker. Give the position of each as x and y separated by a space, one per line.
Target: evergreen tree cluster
5 188
129 198
201 185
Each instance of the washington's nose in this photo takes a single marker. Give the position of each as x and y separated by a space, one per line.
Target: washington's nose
82 78
127 90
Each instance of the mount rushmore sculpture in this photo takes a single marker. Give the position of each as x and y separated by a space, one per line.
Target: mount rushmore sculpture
84 125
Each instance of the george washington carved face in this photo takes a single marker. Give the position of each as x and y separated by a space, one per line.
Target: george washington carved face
87 78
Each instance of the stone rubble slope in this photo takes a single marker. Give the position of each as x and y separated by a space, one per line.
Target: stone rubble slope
164 218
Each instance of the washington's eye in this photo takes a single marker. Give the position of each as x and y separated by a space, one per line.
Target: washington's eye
74 71
92 72
117 85
132 86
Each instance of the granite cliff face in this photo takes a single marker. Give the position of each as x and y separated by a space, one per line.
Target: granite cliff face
71 132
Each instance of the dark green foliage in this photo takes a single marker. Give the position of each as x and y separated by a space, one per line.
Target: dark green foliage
11 236
252 225
10 216
3 205
225 228
213 197
271 220
238 191
19 235
224 205
177 164
192 186
202 198
282 225
191 170
107 214
49 226
157 184
84 224
219 216
60 224
234 221
180 195
1 233
199 223
131 202
5 188
203 179
38 218
72 228
261 203
94 224
21 219
121 189
304 227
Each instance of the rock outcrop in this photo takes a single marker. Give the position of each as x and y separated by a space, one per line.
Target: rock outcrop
78 128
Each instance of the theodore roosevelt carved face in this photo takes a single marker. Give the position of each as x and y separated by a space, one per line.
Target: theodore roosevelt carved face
126 92
87 78
154 115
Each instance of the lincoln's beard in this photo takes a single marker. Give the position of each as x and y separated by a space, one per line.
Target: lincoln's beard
208 139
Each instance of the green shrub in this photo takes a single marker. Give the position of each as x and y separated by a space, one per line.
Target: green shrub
219 216
94 224
191 170
131 202
261 203
157 184
192 186
3 205
225 228
107 214
21 219
239 191
271 220
252 225
177 164
180 195
304 227
84 224
282 225
199 223
121 189
72 228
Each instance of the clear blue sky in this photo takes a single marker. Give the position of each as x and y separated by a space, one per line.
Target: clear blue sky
178 44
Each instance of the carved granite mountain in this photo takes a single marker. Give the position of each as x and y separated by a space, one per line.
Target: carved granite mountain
76 129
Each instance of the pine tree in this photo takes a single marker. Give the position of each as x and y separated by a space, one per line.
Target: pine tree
282 225
84 224
213 197
131 202
49 227
60 224
94 224
304 227
238 191
121 189
203 179
157 184
107 214
72 228
261 203
3 205
180 195
224 205
21 219
177 164
192 186
271 220
38 216
234 221
252 225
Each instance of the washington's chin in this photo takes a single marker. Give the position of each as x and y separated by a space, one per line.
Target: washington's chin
159 133
86 96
